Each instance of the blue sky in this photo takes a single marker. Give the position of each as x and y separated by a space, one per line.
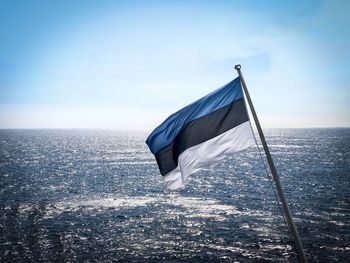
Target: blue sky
129 64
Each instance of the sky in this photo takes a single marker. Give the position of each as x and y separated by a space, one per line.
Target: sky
130 64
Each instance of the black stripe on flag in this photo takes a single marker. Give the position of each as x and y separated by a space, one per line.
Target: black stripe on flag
201 130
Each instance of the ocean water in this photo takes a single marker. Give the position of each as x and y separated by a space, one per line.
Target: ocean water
97 196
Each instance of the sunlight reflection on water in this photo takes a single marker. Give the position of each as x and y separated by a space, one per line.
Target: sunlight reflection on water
85 195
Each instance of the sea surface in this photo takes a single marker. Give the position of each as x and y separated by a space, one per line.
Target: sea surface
97 196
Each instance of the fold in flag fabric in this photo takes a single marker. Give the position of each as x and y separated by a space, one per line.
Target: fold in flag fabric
201 134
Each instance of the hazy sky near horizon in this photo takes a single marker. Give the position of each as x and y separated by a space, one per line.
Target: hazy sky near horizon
129 64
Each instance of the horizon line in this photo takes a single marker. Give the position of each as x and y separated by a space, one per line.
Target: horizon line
131 129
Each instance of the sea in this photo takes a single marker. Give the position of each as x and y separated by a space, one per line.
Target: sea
97 196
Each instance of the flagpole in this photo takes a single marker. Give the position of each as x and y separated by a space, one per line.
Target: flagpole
293 229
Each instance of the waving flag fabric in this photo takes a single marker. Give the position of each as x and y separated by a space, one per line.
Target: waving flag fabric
201 134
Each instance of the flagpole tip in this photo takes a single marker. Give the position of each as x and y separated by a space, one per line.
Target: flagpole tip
238 66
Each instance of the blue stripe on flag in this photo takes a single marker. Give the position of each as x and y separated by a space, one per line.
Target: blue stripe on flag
165 133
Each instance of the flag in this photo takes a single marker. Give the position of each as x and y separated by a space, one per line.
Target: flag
201 134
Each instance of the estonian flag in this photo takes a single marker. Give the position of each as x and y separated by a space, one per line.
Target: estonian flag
201 134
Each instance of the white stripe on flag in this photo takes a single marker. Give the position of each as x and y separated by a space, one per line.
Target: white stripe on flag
208 152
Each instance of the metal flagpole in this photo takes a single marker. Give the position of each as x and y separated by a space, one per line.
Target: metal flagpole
293 229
